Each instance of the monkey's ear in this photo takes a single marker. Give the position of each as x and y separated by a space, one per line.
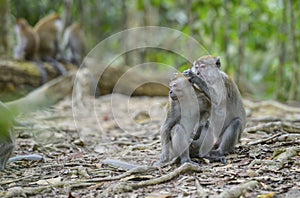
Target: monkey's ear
218 62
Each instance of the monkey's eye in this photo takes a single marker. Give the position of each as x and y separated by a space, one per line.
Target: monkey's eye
202 66
172 84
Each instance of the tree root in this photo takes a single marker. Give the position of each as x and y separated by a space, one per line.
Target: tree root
18 191
126 186
237 191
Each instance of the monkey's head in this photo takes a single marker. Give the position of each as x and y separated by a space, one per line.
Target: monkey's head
178 85
204 63
207 67
22 24
50 23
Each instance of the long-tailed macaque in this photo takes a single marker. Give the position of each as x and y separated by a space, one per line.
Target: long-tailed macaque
49 30
74 44
227 119
187 112
28 45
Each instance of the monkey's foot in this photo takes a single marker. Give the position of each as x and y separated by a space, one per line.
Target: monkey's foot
189 161
221 159
216 156
159 163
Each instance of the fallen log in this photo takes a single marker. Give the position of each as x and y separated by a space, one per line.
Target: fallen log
18 78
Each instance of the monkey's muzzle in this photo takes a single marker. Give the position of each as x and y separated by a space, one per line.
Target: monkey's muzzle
173 95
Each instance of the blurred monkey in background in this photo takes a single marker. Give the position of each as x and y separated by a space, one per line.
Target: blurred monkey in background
49 30
74 45
28 45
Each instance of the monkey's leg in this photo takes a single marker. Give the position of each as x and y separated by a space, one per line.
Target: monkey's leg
165 134
42 69
6 149
59 67
165 145
198 139
180 144
228 141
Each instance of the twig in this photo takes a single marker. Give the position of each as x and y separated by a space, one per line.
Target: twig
237 191
275 104
264 140
263 162
136 170
268 127
288 153
116 142
264 127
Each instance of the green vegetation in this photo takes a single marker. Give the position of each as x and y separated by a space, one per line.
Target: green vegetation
257 40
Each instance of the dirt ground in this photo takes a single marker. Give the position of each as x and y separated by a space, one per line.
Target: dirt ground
74 142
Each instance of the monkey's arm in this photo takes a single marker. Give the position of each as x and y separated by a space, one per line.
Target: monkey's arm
194 79
173 117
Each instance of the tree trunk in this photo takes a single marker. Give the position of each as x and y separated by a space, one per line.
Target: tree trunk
282 54
3 28
226 35
295 65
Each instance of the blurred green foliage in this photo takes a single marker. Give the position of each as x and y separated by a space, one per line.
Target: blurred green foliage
253 37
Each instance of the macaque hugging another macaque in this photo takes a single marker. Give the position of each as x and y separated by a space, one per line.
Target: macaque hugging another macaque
227 116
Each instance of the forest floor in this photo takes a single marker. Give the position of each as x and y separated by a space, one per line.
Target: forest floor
266 162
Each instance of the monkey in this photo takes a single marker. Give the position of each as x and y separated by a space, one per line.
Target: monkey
49 30
27 45
74 44
227 117
28 41
185 116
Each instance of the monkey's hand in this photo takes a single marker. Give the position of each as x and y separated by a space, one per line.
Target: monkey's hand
197 81
192 77
188 73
